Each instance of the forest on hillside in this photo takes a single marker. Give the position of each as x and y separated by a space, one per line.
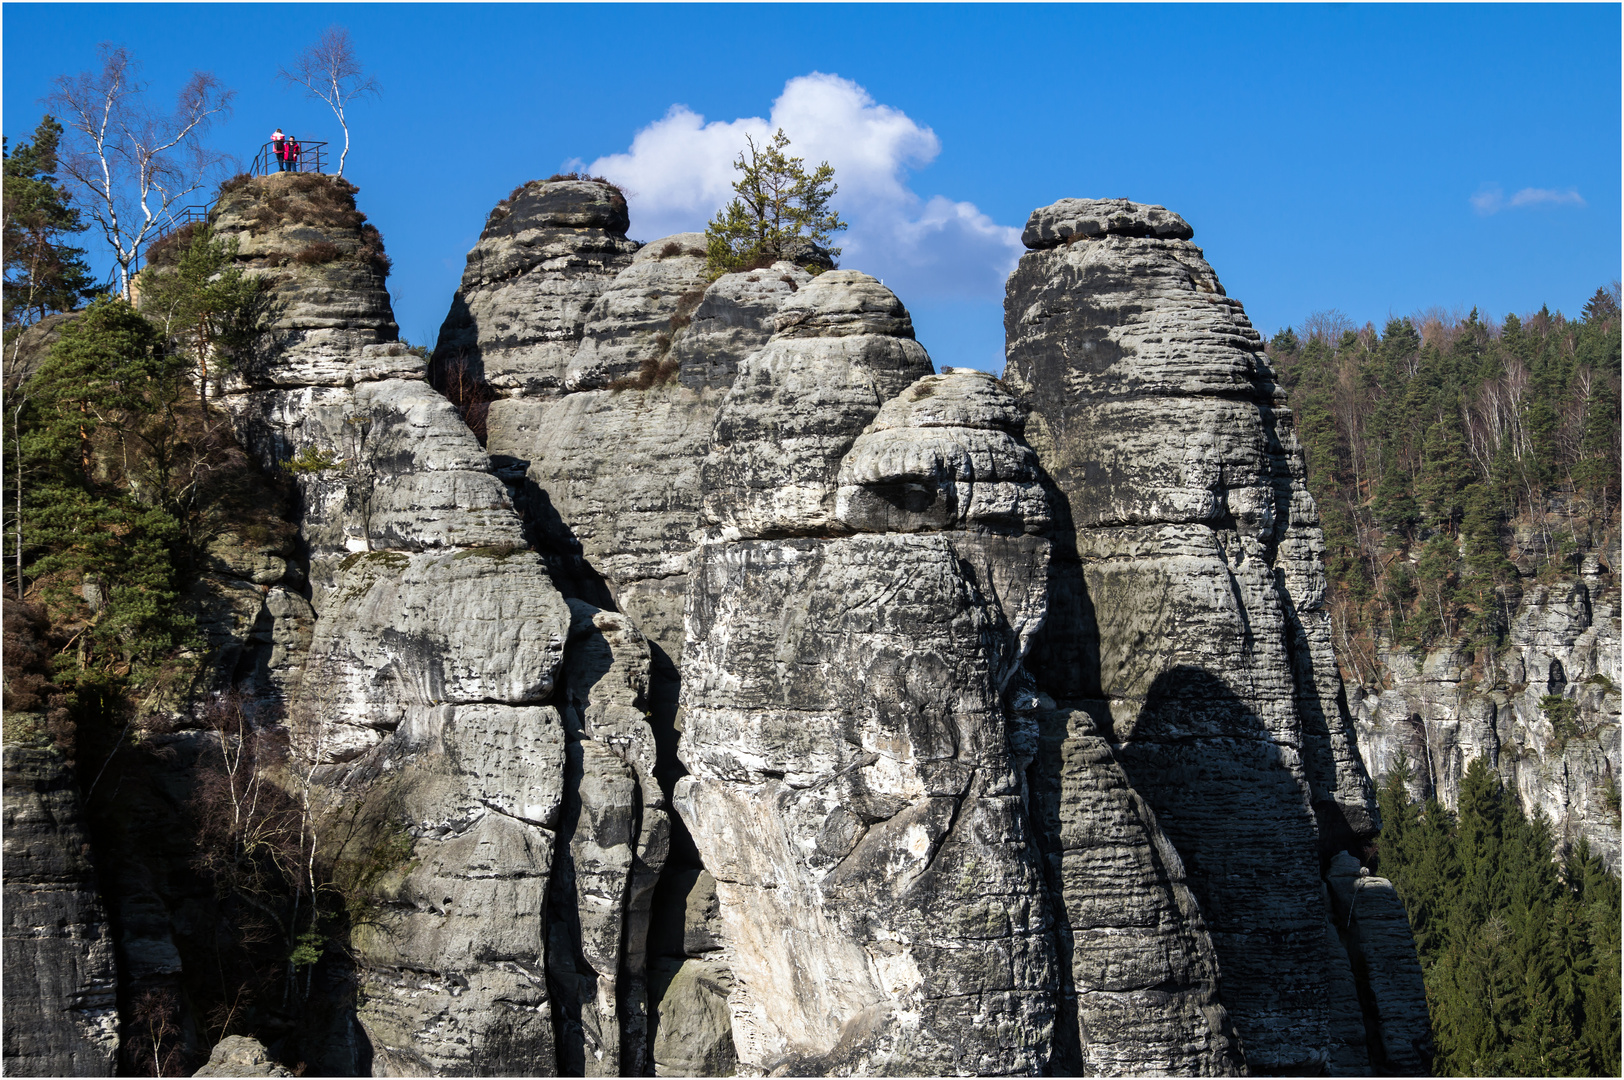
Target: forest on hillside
1454 460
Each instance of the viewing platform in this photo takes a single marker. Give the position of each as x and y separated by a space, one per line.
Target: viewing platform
312 158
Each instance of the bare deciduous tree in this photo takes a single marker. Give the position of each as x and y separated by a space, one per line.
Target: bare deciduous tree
330 70
134 163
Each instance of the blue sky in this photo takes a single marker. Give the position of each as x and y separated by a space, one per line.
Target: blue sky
1374 159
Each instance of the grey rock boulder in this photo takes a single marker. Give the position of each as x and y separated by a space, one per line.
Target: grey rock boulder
241 1055
692 1025
1055 224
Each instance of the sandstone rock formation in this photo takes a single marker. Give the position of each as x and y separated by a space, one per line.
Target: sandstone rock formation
1373 924
1442 710
436 643
240 1055
858 612
1193 626
547 252
609 369
1011 740
60 1018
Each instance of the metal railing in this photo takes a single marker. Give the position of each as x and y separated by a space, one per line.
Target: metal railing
186 215
312 159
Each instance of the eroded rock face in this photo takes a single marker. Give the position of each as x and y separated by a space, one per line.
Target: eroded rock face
855 782
611 476
434 651
608 369
1193 627
1142 996
1443 711
616 836
59 987
843 345
546 254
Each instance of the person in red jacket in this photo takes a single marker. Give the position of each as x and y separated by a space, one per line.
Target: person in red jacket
293 149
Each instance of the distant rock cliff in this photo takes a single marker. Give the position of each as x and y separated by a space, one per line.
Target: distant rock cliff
1543 709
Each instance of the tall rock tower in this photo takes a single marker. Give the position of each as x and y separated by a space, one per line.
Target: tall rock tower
1189 626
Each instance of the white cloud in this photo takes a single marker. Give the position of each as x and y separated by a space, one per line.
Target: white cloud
1492 199
679 171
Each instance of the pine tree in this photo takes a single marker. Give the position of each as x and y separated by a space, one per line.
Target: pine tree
1446 475
43 273
777 203
98 449
203 301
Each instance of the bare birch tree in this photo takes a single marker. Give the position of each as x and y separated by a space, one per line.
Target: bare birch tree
135 164
330 71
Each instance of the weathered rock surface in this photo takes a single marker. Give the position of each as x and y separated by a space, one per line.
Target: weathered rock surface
1143 975
615 836
693 1028
448 986
60 1018
1443 710
1377 930
612 476
28 350
435 647
855 782
843 345
1193 626
1055 224
1013 737
240 1055
632 321
546 254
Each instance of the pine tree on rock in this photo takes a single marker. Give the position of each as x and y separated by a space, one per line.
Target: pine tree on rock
777 203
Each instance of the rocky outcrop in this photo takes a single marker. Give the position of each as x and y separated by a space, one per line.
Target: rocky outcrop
60 1017
1543 709
1191 621
436 644
857 616
240 1055
609 371
1376 930
546 254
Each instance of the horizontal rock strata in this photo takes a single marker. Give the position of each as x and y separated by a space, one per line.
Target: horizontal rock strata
60 979
435 649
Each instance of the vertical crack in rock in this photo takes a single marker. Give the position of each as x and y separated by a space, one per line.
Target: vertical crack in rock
1197 637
